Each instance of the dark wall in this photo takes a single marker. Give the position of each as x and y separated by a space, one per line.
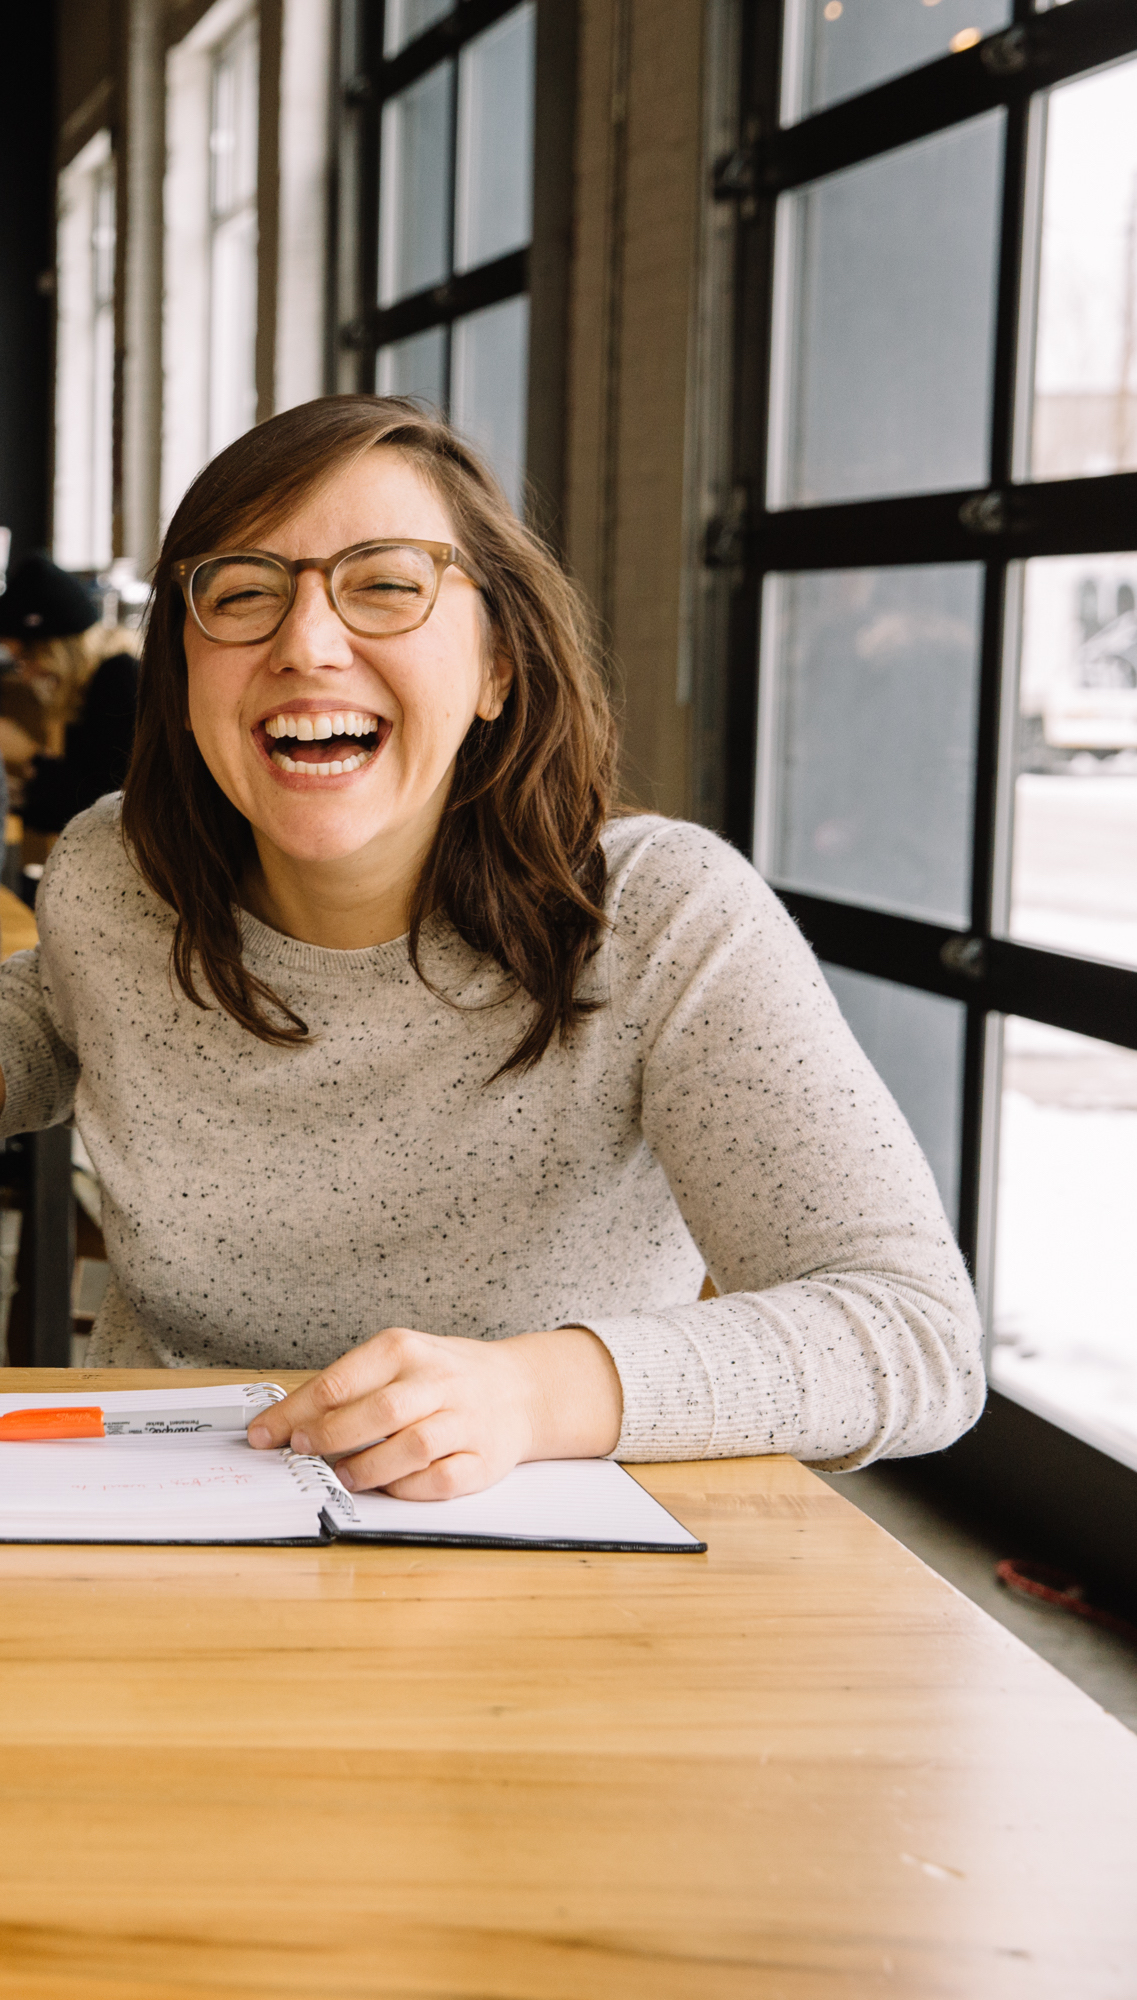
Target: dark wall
27 96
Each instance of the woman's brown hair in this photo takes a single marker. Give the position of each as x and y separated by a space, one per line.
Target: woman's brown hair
517 863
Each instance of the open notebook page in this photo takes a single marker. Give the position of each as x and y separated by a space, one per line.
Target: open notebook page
207 1488
214 1488
565 1503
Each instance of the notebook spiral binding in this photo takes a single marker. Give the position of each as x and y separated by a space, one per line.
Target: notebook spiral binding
315 1477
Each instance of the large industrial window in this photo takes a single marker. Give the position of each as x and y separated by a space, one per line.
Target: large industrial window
84 357
934 638
209 306
445 214
232 390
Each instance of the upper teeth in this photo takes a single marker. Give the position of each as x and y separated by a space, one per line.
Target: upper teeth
314 728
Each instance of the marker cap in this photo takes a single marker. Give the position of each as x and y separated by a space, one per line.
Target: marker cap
33 1426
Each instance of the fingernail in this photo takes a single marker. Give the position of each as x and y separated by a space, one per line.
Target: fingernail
259 1435
300 1441
346 1477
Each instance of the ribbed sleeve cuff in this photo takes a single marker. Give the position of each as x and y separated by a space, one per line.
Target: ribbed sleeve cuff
696 1384
669 1404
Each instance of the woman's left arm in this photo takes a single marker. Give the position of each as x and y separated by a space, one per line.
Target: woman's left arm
846 1328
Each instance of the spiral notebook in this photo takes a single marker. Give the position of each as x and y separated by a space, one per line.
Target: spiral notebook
215 1488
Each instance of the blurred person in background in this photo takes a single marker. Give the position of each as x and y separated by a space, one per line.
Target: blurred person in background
67 712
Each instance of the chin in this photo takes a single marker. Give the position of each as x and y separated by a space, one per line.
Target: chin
334 839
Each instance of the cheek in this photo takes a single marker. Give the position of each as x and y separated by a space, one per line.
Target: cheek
213 696
439 695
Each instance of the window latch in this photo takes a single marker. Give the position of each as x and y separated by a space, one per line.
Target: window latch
966 955
1005 55
985 513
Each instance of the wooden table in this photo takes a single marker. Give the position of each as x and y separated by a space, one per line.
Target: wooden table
800 1768
17 925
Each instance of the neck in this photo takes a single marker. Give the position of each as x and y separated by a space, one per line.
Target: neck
345 904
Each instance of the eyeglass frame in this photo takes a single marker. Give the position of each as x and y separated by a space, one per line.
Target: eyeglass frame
444 555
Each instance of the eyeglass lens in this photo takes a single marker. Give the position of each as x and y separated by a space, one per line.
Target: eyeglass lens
243 598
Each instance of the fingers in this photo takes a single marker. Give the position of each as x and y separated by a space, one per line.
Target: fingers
417 1415
410 1452
356 1375
446 1479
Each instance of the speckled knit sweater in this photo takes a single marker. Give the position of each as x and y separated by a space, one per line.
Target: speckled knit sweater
267 1208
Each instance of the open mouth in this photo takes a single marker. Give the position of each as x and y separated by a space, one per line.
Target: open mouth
323 746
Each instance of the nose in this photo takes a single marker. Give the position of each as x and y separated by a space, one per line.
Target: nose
313 634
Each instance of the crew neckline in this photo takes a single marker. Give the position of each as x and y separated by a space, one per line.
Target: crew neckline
260 942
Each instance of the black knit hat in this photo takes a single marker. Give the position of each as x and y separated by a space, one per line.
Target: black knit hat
45 602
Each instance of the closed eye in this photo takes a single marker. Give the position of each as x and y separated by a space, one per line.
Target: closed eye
250 594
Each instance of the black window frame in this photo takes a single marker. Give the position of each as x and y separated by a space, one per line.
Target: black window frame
1000 523
539 271
1024 1476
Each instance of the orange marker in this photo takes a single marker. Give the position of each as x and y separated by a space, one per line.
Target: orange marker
29 1426
89 1421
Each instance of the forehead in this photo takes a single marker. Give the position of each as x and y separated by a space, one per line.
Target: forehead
381 494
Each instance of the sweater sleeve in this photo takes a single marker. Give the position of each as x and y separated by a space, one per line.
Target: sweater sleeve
40 1070
846 1328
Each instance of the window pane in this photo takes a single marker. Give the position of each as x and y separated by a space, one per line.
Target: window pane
414 367
102 435
233 330
488 387
884 321
414 187
233 131
493 212
915 1042
1085 403
832 50
1074 853
1065 1311
404 20
866 736
232 394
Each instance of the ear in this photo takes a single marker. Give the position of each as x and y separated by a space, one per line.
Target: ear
495 688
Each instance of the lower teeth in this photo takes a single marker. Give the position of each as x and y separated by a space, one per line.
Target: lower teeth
334 769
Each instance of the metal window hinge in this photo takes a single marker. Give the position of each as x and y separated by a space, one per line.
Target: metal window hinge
966 955
357 90
727 535
734 177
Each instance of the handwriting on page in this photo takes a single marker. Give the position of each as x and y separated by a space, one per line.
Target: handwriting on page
143 1489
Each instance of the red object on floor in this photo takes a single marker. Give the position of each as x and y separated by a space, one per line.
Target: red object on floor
1053 1586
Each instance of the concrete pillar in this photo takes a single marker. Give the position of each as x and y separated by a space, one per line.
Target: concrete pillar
142 161
638 190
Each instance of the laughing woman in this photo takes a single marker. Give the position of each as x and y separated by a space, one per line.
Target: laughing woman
399 1057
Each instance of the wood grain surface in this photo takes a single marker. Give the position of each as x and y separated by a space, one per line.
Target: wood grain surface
800 1767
